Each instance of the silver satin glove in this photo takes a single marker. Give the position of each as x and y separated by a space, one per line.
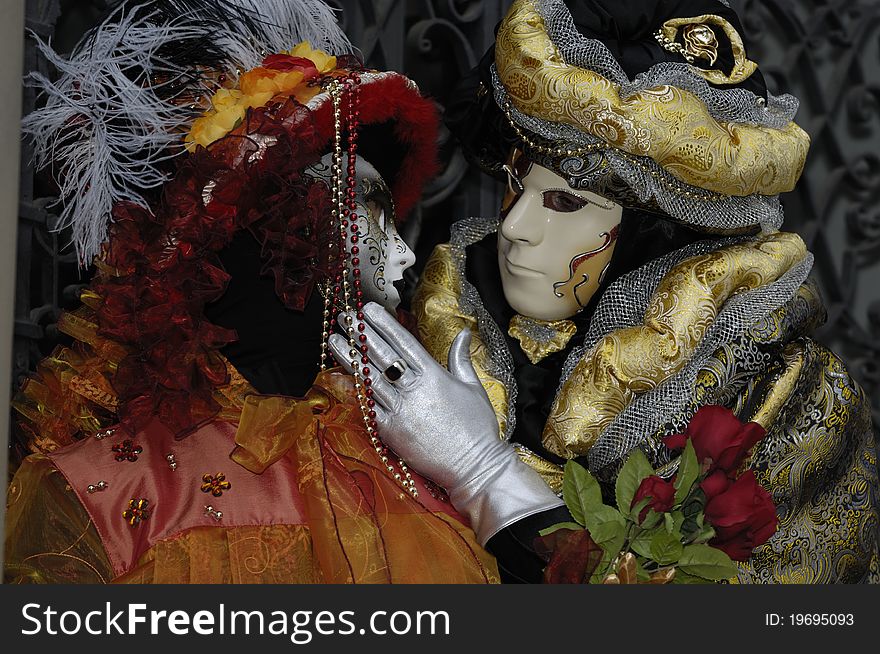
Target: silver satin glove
442 424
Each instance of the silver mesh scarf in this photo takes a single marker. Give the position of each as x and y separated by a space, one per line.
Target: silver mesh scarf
623 304
726 105
650 181
647 413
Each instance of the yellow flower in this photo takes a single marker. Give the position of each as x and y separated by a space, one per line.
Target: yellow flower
261 81
305 93
255 89
224 98
229 117
323 61
214 126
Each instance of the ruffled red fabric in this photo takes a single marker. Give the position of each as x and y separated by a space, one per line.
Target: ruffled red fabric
160 269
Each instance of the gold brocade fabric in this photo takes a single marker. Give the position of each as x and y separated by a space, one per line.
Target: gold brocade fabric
670 125
631 361
540 338
818 459
435 306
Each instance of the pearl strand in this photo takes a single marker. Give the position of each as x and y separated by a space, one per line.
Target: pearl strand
344 217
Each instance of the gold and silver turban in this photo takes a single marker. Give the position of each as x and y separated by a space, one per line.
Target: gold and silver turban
654 104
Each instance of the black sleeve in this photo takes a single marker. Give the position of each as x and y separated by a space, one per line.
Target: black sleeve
513 547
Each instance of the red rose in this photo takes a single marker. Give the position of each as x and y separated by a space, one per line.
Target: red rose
743 516
720 439
715 483
286 63
660 492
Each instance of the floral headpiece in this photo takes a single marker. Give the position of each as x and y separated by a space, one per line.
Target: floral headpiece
292 73
144 346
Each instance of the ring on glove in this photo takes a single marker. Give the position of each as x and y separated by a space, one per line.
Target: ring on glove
395 370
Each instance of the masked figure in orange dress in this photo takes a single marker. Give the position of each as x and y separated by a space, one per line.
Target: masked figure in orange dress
252 190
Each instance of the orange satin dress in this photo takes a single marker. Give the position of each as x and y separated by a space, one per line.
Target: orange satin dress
304 498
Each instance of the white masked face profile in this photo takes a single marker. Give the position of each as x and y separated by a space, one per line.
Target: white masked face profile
554 244
383 254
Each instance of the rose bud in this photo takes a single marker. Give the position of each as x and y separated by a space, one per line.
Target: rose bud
660 492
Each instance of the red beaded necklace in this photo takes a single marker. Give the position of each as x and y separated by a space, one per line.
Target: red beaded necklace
338 293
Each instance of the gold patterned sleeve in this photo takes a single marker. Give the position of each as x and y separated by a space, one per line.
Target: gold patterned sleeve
50 538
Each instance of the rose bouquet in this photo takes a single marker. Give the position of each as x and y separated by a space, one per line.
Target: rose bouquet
689 528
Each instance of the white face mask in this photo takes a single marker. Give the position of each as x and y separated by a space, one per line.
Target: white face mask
554 245
383 254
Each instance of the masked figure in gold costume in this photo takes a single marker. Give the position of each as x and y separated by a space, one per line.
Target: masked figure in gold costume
182 437
637 273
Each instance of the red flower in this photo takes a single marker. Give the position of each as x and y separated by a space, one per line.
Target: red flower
715 483
743 516
287 63
571 555
720 439
660 492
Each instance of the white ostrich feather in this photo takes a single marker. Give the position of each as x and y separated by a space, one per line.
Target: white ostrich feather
108 124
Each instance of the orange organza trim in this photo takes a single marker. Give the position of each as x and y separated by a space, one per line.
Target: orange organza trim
267 554
50 536
364 527
70 394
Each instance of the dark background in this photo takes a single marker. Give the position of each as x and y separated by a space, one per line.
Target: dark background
826 52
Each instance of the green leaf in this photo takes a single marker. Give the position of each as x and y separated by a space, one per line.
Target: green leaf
636 469
581 491
692 513
685 578
642 574
602 568
706 562
637 508
669 523
666 549
652 519
561 525
689 529
688 472
641 544
706 534
692 509
607 528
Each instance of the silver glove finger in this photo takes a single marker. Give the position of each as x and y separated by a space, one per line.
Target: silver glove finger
386 362
342 352
381 354
383 359
398 337
382 417
384 393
